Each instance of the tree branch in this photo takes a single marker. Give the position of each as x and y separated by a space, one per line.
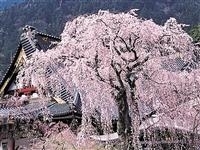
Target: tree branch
113 85
124 42
118 74
129 48
140 63
96 66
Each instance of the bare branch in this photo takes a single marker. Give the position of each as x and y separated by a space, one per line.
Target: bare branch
96 66
113 85
140 63
117 72
124 42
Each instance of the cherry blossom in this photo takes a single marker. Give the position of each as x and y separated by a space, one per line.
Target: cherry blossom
115 62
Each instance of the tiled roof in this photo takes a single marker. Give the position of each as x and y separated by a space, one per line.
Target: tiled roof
23 112
29 43
173 65
33 110
60 109
178 64
11 66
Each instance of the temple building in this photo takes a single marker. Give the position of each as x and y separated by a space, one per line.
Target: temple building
64 107
30 41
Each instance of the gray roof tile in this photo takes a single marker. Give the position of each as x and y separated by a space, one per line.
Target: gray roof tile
173 65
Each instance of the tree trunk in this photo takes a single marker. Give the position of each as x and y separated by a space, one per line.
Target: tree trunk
124 120
11 143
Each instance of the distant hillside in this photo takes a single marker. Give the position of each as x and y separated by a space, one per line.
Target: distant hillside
8 3
50 16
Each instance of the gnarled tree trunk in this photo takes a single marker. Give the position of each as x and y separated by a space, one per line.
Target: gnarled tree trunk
124 120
